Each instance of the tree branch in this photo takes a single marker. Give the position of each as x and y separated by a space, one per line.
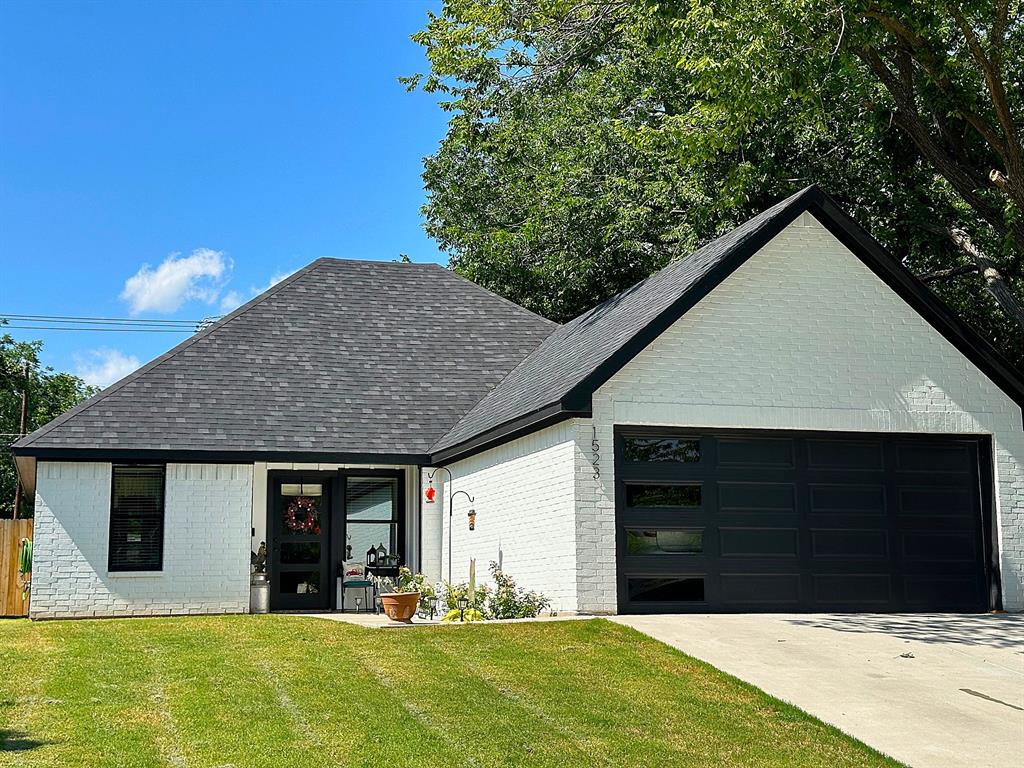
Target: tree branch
922 52
1011 150
941 275
901 87
994 279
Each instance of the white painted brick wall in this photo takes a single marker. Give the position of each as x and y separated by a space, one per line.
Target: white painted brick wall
206 544
526 514
802 336
432 528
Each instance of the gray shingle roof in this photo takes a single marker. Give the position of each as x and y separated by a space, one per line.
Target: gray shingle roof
578 348
405 360
342 357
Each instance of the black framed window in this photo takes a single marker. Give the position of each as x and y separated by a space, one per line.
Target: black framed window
136 518
371 519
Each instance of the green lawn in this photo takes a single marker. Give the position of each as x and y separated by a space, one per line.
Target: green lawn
295 691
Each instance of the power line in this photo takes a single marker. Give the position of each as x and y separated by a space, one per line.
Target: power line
104 324
108 330
119 320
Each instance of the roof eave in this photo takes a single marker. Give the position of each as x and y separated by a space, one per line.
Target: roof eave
219 456
510 430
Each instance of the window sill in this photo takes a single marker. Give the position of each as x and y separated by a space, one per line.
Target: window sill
133 574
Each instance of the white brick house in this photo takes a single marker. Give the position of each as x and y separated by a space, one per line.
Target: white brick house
785 420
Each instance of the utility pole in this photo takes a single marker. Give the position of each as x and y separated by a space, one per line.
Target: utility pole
21 432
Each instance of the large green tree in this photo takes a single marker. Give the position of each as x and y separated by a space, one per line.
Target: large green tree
50 393
591 142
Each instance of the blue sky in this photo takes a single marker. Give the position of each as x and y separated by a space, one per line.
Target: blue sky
222 144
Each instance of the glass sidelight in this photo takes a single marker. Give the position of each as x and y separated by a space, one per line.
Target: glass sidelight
371 517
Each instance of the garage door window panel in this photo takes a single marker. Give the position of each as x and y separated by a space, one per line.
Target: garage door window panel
661 589
661 450
652 541
663 495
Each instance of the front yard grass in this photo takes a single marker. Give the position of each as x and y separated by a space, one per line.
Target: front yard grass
282 691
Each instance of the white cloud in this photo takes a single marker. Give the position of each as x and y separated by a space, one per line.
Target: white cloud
234 299
178 279
275 278
102 367
229 301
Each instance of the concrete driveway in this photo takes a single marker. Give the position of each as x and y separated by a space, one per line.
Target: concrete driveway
930 690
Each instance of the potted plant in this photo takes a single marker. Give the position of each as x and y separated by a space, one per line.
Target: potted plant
400 597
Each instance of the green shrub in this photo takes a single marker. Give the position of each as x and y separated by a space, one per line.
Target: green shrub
504 601
508 601
452 593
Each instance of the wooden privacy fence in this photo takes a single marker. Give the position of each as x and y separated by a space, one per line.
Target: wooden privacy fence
11 533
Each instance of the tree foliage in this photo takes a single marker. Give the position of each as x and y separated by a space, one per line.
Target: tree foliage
593 141
50 393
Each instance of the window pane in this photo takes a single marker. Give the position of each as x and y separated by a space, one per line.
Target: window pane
359 537
302 489
663 496
371 498
299 582
661 449
670 542
136 518
666 590
300 553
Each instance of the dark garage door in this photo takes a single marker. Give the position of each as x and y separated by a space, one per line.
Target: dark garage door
799 522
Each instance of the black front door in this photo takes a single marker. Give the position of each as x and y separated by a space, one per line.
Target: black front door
300 516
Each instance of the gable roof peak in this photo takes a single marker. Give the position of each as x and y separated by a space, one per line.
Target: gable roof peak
560 376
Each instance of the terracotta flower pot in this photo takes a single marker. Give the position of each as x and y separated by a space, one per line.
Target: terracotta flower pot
400 606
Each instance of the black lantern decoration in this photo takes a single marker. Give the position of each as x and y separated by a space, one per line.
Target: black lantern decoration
472 519
371 557
432 604
382 555
463 603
